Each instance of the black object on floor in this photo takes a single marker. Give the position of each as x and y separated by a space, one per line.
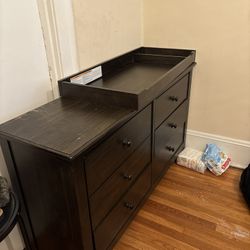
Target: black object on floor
9 217
4 192
245 184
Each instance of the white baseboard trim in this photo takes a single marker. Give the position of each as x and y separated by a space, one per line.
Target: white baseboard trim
238 150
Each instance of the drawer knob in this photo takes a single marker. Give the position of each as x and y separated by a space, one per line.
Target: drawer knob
129 205
127 177
169 148
172 125
126 142
173 98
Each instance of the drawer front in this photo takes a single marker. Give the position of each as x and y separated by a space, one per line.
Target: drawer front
170 100
107 157
119 182
168 138
113 223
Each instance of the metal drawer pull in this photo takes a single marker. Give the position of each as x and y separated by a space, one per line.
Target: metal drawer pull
126 142
127 177
172 125
169 148
173 98
129 205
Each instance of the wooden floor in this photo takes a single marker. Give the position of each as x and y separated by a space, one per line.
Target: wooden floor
189 210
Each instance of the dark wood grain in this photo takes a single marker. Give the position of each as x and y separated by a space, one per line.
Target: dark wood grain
109 66
51 187
166 51
163 84
159 59
168 138
141 75
103 96
170 100
119 62
120 213
133 79
65 126
106 158
113 189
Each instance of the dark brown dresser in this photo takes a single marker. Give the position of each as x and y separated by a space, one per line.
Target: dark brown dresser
83 165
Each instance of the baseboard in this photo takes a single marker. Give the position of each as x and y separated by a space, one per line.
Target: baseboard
238 150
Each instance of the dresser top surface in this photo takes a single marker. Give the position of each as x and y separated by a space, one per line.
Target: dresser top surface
65 126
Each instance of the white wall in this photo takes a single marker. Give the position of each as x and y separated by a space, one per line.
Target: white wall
220 32
105 29
24 78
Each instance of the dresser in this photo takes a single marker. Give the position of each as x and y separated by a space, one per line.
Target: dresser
84 164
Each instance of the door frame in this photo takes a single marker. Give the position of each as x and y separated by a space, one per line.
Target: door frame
57 22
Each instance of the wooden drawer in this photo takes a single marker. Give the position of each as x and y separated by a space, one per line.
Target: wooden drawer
168 138
119 182
113 223
170 100
107 157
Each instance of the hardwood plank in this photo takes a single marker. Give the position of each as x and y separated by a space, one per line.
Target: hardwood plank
188 210
206 192
149 238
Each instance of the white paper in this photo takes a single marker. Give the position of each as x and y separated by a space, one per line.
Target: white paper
88 76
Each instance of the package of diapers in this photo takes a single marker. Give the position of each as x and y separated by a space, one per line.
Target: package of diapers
191 158
215 159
